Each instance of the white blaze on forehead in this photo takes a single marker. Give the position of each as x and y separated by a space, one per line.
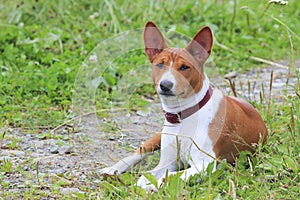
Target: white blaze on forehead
168 75
171 64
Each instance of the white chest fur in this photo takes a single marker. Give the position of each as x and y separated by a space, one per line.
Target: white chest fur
190 139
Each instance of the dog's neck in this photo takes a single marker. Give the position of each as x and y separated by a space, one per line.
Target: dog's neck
176 105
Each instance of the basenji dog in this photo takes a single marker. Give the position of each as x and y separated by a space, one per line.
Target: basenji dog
201 124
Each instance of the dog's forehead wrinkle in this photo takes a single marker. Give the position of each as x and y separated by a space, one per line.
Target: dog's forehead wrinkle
174 54
182 53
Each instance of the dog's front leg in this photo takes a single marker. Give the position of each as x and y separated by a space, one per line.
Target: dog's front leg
126 163
123 165
159 172
168 162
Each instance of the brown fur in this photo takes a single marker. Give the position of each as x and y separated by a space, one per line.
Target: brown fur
150 145
243 127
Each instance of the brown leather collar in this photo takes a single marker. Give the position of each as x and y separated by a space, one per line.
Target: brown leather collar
176 118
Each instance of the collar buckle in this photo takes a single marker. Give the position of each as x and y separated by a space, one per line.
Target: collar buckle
178 117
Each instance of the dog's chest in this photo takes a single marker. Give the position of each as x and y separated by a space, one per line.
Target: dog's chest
190 135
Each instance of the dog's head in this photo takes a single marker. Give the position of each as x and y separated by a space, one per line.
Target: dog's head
176 72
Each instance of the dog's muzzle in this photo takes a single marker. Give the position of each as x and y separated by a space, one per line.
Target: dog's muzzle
166 88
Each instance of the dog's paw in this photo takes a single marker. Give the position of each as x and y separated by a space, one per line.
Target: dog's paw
109 171
144 183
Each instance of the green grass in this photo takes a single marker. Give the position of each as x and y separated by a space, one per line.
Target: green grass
43 44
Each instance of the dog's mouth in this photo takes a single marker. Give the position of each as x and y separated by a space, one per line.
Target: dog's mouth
167 93
170 94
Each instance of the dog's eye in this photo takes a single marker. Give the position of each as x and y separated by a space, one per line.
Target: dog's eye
184 67
160 65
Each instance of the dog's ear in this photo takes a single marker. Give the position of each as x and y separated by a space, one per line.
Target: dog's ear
201 44
154 40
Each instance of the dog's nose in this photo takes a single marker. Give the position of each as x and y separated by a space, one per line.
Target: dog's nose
165 85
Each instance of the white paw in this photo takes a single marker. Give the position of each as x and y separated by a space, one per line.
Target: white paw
109 171
145 184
